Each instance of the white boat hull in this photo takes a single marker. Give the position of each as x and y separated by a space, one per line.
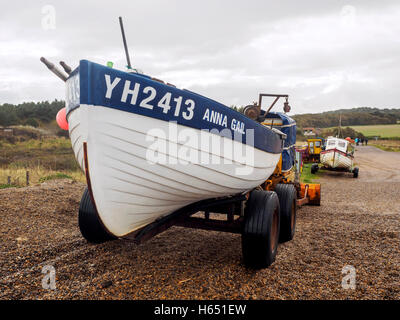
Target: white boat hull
130 191
335 159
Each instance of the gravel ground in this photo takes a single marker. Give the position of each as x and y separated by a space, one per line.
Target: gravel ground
357 224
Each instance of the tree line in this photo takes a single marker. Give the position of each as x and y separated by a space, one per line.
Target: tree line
349 117
29 113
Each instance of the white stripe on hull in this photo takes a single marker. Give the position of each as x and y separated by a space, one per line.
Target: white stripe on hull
130 192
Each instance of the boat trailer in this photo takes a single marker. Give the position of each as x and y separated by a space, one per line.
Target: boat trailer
264 216
233 207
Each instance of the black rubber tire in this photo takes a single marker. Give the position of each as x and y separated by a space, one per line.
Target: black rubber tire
287 195
355 172
260 236
91 227
314 168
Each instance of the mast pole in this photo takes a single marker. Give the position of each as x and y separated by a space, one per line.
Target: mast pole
125 45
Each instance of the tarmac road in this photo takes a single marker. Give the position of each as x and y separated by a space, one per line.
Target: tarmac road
357 225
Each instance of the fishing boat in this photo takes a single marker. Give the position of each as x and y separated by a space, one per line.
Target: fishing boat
155 155
147 147
338 155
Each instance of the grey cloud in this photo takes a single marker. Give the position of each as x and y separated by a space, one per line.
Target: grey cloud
320 52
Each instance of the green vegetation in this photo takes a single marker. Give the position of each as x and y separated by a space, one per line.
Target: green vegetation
382 131
384 148
350 117
58 175
238 109
299 135
307 176
45 157
29 113
385 131
356 122
344 133
36 175
49 153
386 145
5 186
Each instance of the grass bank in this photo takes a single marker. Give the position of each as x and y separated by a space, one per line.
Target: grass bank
45 159
383 131
36 175
53 154
307 176
386 145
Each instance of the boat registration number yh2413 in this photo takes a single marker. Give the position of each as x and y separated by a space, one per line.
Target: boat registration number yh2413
168 105
147 97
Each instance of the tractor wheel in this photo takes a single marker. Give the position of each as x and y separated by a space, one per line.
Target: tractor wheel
355 172
89 223
287 195
260 234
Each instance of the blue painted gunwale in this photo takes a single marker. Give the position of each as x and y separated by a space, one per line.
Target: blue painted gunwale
92 91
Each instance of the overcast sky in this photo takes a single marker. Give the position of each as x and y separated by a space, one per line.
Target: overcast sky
324 54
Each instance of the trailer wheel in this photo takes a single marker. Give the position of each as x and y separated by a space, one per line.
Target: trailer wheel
260 234
314 168
355 172
89 224
287 195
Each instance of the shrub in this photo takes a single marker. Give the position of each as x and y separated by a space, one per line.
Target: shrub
32 122
58 175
